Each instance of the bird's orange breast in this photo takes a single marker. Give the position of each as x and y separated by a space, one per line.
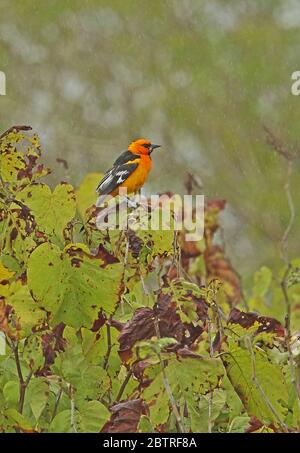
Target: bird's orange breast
138 178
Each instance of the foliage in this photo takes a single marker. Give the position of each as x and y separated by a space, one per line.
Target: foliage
125 331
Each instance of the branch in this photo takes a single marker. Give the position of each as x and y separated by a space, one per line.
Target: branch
23 384
17 129
288 153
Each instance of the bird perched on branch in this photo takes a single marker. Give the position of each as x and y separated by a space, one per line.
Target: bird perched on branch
129 171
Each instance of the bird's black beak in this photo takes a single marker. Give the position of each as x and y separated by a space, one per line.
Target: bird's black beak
152 147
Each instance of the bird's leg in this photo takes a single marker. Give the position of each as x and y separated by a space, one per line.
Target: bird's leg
131 203
137 201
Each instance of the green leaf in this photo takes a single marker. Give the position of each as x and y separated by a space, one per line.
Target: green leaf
32 353
189 299
294 277
52 210
92 417
262 281
89 381
238 364
239 424
158 242
26 312
188 378
146 348
73 285
11 391
205 410
86 194
19 420
61 422
145 425
36 396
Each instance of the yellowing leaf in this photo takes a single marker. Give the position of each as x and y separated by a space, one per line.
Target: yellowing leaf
11 161
73 285
26 312
262 281
86 193
52 210
5 274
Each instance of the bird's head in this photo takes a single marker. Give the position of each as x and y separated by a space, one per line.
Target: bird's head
142 146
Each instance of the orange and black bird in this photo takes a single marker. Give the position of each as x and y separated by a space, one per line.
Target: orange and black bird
130 170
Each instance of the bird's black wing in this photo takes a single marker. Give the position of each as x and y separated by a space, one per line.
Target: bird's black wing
115 177
125 157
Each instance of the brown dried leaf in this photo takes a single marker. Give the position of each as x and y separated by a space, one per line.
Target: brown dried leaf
142 324
125 417
246 320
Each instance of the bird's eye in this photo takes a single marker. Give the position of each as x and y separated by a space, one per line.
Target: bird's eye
146 145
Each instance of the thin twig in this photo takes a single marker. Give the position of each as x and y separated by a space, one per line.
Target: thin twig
73 409
176 254
123 386
287 152
210 404
124 272
287 189
109 344
211 353
57 401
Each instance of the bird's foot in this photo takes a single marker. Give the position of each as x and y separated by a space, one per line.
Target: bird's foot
131 203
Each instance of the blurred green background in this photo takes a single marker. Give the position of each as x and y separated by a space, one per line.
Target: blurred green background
198 76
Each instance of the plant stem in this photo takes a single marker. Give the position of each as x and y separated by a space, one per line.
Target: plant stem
109 345
123 386
284 239
57 400
73 409
211 353
22 383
